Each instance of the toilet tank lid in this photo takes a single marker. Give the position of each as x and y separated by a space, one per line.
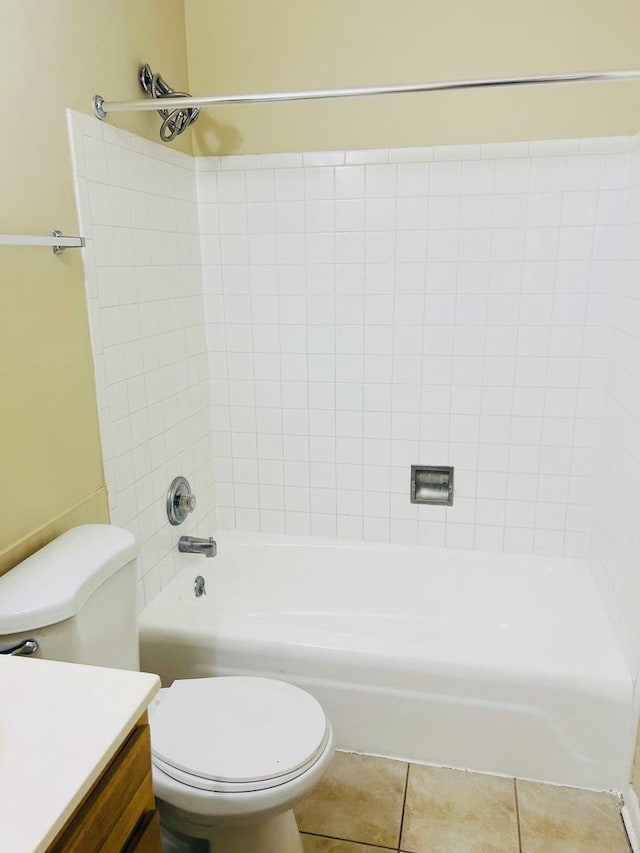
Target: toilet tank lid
55 582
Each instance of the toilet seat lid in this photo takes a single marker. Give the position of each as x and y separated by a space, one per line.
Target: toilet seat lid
237 730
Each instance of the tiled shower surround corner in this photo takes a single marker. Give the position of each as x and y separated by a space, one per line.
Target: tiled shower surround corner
138 210
311 325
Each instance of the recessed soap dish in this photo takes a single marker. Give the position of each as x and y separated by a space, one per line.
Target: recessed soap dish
432 484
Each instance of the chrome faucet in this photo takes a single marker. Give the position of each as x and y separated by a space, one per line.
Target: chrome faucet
193 545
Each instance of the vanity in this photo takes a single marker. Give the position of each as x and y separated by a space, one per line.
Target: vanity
75 759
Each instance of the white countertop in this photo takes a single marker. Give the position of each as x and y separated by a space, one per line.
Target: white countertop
60 725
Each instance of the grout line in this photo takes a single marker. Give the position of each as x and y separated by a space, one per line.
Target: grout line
404 803
515 794
350 841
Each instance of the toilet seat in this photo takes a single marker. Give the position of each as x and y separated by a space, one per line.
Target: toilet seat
237 734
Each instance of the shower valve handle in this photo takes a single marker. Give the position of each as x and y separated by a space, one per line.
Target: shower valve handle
187 503
180 500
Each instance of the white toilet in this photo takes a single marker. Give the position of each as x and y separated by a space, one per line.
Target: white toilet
231 756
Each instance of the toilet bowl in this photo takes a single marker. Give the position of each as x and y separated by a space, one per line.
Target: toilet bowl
231 758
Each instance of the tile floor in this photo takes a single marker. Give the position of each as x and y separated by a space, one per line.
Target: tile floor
366 804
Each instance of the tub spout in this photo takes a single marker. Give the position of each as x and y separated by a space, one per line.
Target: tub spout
193 545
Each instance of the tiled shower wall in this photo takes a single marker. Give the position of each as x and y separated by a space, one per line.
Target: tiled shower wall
370 310
138 212
615 536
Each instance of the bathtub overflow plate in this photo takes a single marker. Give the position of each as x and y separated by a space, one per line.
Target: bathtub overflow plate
180 500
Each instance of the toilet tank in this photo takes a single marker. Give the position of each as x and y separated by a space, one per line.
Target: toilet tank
77 598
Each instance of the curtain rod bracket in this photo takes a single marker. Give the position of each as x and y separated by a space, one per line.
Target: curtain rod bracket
97 103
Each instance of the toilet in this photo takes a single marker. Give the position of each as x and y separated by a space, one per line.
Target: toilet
231 755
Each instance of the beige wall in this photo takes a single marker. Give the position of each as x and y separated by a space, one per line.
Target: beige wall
244 46
55 55
635 771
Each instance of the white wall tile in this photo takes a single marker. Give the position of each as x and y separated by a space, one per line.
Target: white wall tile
484 379
148 334
614 547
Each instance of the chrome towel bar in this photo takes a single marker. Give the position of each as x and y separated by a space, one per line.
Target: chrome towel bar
56 241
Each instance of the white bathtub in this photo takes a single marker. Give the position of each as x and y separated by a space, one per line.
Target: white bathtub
490 662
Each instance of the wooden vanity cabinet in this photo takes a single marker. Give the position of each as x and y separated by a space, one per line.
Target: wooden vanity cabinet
118 815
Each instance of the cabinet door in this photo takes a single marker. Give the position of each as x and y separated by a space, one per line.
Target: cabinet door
108 816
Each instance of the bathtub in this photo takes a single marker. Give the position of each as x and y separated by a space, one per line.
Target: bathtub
490 662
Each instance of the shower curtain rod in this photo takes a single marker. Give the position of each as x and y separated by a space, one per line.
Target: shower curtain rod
102 108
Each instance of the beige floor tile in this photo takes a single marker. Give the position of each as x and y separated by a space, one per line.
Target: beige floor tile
318 844
450 811
360 799
568 820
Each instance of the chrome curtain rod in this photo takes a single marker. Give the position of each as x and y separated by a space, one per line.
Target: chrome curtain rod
102 108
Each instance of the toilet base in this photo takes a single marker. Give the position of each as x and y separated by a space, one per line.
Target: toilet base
276 834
